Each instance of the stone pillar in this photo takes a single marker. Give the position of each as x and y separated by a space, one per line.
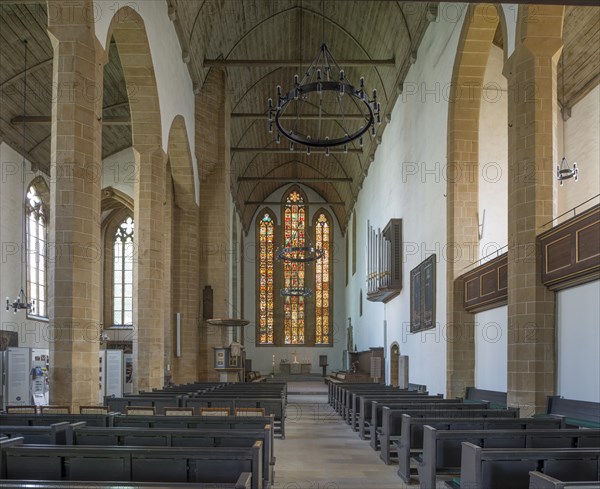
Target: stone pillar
74 237
186 292
148 293
531 73
213 152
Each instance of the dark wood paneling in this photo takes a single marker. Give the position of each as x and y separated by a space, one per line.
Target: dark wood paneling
486 286
571 251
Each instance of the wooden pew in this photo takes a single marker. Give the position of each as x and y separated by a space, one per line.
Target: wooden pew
159 402
501 468
497 399
82 435
353 414
345 398
577 414
54 434
435 406
195 422
48 419
442 448
131 464
244 482
272 406
410 442
365 412
537 480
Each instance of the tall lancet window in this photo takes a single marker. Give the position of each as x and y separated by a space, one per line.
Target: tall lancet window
266 256
323 287
36 251
123 274
293 272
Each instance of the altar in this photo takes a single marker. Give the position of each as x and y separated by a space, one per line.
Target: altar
294 367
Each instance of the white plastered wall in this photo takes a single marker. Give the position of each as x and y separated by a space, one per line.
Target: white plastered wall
581 145
491 349
493 157
32 333
262 357
118 172
578 342
407 180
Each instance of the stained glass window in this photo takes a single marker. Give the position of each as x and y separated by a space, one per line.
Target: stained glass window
293 272
123 274
265 274
323 283
36 252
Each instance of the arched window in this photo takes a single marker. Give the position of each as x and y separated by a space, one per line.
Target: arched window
266 301
37 219
123 274
323 285
293 272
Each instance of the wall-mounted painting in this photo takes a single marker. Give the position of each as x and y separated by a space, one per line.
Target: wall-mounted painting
422 295
8 339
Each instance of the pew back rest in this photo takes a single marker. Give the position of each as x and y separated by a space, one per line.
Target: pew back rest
497 399
492 468
537 480
55 434
577 413
140 464
445 445
48 419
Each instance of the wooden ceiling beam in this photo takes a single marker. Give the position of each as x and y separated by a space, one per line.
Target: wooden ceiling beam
46 119
296 179
286 150
325 117
293 63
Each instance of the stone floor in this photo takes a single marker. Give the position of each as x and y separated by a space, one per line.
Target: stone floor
321 451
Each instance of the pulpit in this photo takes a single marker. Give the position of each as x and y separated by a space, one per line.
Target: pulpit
229 360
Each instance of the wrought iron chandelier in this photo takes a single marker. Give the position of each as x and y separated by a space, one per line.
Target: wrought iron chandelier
323 93
295 292
298 254
20 301
564 171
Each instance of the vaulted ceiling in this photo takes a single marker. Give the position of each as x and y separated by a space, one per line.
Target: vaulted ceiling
374 39
377 39
27 129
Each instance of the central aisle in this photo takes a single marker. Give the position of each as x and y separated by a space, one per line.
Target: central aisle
320 451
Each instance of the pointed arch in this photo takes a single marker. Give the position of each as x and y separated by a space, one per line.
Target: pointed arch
323 239
129 31
462 187
37 218
265 310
